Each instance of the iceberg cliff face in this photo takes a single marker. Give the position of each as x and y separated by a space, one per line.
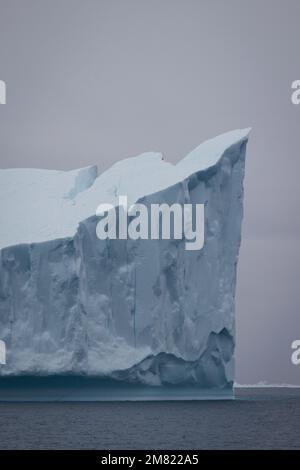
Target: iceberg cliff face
144 311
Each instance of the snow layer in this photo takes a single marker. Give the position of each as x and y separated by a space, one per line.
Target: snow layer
144 311
39 205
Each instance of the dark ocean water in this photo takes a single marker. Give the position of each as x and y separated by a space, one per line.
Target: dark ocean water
256 419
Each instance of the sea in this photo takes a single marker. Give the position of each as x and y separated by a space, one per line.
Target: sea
258 418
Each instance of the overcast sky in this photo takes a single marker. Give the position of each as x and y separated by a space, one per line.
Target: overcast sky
96 81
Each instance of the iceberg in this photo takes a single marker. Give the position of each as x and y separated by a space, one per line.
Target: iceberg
144 313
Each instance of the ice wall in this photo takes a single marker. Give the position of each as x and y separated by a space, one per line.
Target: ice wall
145 312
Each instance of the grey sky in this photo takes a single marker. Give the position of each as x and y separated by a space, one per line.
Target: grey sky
95 81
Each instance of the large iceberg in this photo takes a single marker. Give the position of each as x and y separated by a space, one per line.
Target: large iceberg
140 312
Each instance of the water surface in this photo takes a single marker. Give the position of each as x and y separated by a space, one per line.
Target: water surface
256 419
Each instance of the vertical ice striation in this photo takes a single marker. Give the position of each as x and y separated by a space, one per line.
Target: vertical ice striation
142 312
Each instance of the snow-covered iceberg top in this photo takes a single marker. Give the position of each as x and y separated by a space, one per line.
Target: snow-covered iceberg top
39 205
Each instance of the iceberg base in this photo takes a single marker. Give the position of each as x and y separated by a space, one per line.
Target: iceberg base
72 388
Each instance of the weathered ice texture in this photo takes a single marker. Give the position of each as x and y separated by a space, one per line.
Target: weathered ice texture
143 312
